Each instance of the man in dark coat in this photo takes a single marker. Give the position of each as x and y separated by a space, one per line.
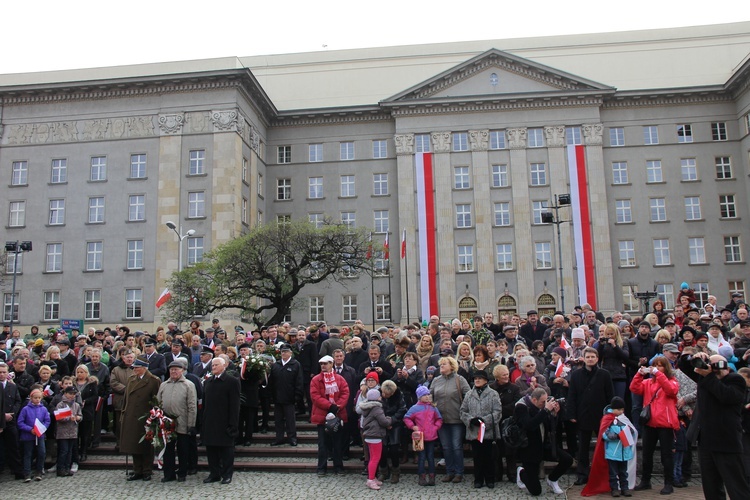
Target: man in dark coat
203 367
9 436
351 432
141 390
250 381
589 392
176 352
533 329
286 377
306 354
221 414
157 365
641 349
374 363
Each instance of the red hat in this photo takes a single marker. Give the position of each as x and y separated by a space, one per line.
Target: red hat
373 375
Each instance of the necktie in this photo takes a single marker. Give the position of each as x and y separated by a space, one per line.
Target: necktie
338 370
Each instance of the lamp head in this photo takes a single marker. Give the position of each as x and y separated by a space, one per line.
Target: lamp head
190 232
171 225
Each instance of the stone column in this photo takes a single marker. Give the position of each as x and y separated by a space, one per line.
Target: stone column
226 189
445 216
483 221
407 220
523 248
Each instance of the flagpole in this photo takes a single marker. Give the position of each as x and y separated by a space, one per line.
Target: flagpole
390 300
406 274
372 281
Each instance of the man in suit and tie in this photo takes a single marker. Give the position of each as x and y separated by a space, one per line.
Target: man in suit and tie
141 390
9 436
203 367
382 367
221 416
176 352
157 365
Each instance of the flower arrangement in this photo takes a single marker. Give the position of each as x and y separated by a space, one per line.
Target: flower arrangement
159 428
255 364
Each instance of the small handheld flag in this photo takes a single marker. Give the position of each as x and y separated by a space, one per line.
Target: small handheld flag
564 343
63 413
560 368
480 436
39 428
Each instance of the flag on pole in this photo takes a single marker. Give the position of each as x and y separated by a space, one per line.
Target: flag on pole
48 390
626 436
163 298
427 235
386 248
63 413
403 245
480 436
579 202
559 369
211 345
564 343
369 248
39 428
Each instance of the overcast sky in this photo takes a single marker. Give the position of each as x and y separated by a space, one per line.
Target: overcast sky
48 35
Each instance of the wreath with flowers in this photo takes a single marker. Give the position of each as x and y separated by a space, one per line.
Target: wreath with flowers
159 429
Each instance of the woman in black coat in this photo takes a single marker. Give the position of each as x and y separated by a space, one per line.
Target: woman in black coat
509 396
613 357
88 387
409 378
394 407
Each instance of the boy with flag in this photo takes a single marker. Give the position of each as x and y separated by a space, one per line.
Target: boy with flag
67 415
33 422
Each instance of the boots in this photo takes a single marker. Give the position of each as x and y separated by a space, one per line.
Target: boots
430 479
395 475
384 473
422 480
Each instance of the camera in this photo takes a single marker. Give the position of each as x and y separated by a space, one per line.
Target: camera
399 366
699 363
560 401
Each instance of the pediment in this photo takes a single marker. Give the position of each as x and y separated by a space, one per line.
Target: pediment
500 74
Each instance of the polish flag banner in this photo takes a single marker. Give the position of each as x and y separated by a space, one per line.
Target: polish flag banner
559 370
626 436
63 413
369 248
403 245
48 390
211 345
99 403
426 226
584 247
564 343
482 429
386 248
163 298
39 428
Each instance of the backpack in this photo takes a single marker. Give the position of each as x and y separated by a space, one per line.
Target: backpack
512 434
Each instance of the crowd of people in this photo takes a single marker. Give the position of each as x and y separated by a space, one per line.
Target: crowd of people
677 378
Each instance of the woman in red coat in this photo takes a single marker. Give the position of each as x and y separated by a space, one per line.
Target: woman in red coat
660 389
329 392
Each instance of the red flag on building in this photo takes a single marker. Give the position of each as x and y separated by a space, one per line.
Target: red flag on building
386 248
163 298
403 245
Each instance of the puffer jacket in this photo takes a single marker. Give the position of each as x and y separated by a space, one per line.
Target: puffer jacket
613 446
444 390
613 359
426 417
68 429
664 406
486 406
374 422
27 418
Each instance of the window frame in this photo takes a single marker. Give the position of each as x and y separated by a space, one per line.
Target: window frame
283 154
535 137
197 162
92 305
315 153
133 303
507 250
51 300
379 149
315 188
53 262
616 136
57 212
196 204
378 181
381 222
284 189
650 135
138 166
543 248
501 212
664 255
464 217
696 250
136 207
98 165
94 255
461 177
693 208
59 171
465 259
460 141
626 253
348 187
537 174
346 150
19 175
620 173
135 255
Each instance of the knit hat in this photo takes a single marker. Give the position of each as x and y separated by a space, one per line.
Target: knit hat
422 391
373 395
684 285
430 370
560 352
373 375
726 351
623 323
578 334
617 403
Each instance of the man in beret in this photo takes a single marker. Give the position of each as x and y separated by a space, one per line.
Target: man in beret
141 389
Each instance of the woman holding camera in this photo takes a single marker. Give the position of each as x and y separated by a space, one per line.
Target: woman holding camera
658 387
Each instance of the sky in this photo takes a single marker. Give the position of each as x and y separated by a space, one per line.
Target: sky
51 35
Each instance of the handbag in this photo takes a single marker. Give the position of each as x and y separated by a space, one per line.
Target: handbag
417 440
645 416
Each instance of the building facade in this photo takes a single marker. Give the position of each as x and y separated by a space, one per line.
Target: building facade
97 162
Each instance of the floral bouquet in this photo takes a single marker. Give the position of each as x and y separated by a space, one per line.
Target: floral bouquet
273 350
159 428
255 365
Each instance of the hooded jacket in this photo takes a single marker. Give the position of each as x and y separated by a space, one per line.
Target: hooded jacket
374 421
27 418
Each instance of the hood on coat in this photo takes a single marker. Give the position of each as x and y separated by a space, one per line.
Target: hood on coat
369 405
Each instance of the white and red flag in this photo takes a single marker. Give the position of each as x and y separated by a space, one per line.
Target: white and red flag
39 428
427 235
386 248
626 436
403 245
560 369
564 343
584 247
163 298
63 413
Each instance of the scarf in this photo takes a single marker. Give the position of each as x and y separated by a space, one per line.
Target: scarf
424 351
482 365
329 379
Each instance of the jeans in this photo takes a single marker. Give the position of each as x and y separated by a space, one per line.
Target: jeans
678 456
452 441
65 454
427 454
619 387
30 448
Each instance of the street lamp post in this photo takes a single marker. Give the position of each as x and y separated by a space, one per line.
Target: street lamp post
178 231
16 248
562 200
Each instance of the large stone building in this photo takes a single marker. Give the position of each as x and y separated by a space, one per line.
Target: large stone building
97 161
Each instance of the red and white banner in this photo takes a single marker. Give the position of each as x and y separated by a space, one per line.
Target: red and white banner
63 413
482 430
426 225
560 369
163 298
579 199
39 428
386 248
626 436
564 343
403 245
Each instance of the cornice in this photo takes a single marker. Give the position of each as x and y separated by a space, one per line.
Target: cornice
482 107
330 118
643 99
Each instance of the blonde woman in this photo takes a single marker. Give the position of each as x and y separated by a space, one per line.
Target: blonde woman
613 356
424 350
448 391
465 358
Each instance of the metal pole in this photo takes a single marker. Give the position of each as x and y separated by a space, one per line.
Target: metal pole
406 273
13 293
559 254
390 293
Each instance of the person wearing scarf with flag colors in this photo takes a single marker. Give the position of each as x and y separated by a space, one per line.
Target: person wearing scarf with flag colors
329 392
33 422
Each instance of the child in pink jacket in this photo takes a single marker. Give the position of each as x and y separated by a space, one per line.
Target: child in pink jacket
425 418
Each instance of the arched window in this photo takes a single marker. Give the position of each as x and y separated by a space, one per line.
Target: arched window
546 305
467 308
506 305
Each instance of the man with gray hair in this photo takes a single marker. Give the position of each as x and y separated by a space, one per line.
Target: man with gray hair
101 372
221 417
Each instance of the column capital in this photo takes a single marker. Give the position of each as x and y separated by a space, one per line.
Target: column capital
404 144
171 123
555 136
479 140
227 120
441 142
592 134
516 138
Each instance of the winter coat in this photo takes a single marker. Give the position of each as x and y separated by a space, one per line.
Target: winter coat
221 410
537 423
408 385
395 407
27 418
102 376
118 381
664 406
178 399
637 349
321 403
486 406
447 398
426 417
589 392
613 446
613 359
509 395
525 385
374 422
138 395
68 429
287 381
90 397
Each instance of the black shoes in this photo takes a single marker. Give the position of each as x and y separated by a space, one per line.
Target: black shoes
580 481
181 479
192 472
643 485
226 480
667 490
135 477
147 478
278 442
210 479
167 479
293 442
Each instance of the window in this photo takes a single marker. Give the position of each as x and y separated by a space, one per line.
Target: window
623 212
535 137
59 171
196 204
197 162
658 209
92 304
504 252
734 287
497 139
463 215
727 206
349 303
51 306
282 219
284 154
381 266
650 135
98 170
56 212
422 143
688 169
617 136
259 186
620 172
346 150
381 221
315 188
665 292
17 214
133 303
194 250
573 136
543 253
259 218
684 133
692 208
283 189
719 131
627 253
461 177
349 219
316 219
138 166
701 293
244 169
135 254
136 207
732 250
653 171
10 307
317 309
502 214
379 149
54 258
380 184
315 152
723 167
460 141
382 307
537 207
20 173
465 258
500 176
347 186
538 174
697 250
96 210
244 214
661 253
94 251
629 302
13 260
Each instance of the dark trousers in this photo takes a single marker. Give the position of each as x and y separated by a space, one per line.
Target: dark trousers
285 419
143 463
65 454
96 437
220 461
745 455
181 444
618 473
265 406
505 451
665 437
584 448
248 416
484 468
530 472
192 452
304 403
333 441
117 416
10 452
722 471
33 449
84 436
390 452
